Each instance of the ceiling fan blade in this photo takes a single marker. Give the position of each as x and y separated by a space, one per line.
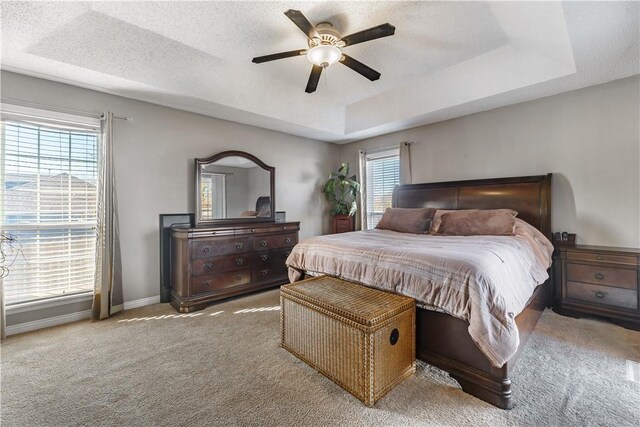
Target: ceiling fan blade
302 22
373 33
360 68
312 84
281 55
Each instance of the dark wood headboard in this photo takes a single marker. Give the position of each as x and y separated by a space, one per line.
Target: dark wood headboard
529 195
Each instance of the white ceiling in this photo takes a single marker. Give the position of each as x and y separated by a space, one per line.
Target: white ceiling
446 59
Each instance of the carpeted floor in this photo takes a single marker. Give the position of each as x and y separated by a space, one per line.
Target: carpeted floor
223 366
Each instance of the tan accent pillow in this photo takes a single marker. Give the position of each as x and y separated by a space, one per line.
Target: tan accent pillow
404 220
437 218
489 222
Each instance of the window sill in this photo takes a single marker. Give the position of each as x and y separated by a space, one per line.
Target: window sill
49 302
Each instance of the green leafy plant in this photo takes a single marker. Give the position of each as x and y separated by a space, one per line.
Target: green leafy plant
341 191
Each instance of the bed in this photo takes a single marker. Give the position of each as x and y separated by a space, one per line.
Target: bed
443 338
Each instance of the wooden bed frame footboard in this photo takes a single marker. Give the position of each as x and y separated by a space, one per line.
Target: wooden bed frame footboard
444 341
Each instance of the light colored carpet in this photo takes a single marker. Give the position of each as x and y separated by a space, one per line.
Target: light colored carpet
224 366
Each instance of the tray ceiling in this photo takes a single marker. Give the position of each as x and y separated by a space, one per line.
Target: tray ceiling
445 60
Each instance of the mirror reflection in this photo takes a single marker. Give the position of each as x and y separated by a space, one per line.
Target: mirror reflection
234 187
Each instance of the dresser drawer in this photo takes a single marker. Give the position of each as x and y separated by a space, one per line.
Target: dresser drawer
285 227
606 295
265 258
203 266
275 241
220 281
606 276
270 273
600 257
207 248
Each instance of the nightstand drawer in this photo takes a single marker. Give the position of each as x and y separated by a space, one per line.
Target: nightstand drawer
605 276
599 257
605 295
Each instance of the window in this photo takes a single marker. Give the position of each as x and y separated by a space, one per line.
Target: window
212 195
48 196
382 174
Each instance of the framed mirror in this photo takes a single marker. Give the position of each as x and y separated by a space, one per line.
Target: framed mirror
233 186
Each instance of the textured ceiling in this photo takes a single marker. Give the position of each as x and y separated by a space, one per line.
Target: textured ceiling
445 60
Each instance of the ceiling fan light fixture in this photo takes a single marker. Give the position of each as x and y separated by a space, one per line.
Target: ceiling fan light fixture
325 47
324 55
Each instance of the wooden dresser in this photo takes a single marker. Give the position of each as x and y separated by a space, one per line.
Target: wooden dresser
599 280
211 263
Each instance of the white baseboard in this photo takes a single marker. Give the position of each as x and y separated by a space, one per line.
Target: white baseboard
49 321
141 302
72 317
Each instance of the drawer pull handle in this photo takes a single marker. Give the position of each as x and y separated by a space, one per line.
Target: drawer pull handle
599 276
601 294
287 240
206 283
284 228
264 273
263 243
599 257
253 230
239 277
263 258
240 261
206 250
239 245
207 267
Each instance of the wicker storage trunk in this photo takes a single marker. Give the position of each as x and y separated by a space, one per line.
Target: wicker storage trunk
360 338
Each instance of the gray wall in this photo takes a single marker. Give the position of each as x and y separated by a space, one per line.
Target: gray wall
154 167
588 138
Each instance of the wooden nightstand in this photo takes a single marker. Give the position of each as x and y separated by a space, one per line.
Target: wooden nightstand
343 223
598 280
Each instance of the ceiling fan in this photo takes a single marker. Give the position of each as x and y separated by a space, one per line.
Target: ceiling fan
325 47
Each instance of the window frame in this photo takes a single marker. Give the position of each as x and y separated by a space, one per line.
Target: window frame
376 156
222 196
62 121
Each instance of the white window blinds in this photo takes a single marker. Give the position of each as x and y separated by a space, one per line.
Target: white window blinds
48 197
382 174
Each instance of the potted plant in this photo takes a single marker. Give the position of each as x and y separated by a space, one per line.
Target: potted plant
10 248
341 191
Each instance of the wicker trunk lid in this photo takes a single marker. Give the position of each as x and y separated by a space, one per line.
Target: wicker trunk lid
361 338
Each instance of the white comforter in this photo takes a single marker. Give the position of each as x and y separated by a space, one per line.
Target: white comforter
484 280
